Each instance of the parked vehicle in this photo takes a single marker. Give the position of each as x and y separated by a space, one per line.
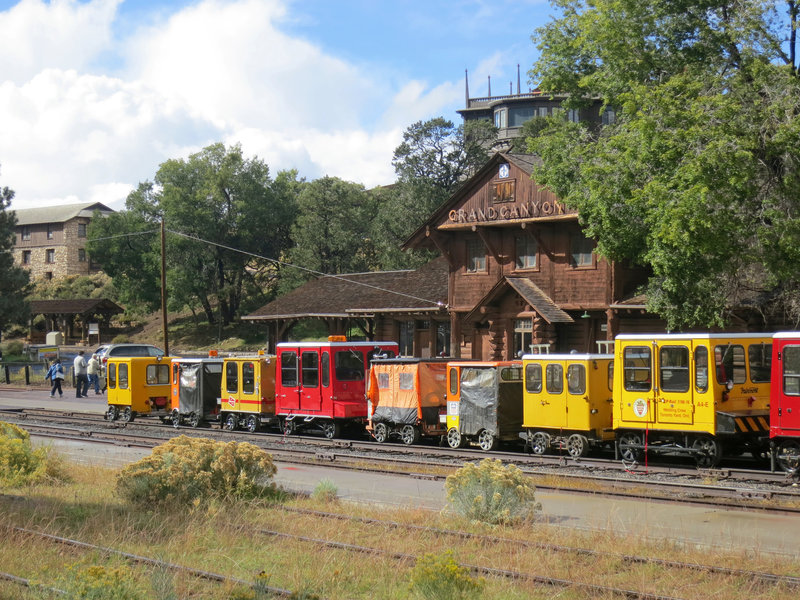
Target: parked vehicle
196 388
407 398
138 386
248 393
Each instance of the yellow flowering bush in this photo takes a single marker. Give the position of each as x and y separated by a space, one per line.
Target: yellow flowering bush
98 582
185 469
21 463
439 577
491 493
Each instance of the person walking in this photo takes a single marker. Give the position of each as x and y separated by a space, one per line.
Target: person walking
55 374
81 380
93 371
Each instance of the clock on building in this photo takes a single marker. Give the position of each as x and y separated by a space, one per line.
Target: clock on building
504 171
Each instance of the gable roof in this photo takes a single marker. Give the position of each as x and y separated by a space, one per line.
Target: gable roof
348 295
525 162
528 291
58 214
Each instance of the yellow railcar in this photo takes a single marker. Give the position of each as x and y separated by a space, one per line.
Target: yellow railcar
702 395
248 392
138 386
484 403
567 402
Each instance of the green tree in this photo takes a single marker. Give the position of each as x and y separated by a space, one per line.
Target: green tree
332 232
14 279
698 176
223 212
433 160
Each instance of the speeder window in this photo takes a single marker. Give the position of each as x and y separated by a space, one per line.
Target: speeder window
383 381
232 377
248 378
729 360
760 359
576 379
349 365
310 367
533 378
674 366
289 369
123 376
791 370
636 368
554 379
406 381
157 374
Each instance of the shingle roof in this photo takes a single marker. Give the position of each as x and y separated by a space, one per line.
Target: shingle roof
58 214
355 293
74 307
530 292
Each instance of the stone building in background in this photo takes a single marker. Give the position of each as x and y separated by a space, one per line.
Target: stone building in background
51 241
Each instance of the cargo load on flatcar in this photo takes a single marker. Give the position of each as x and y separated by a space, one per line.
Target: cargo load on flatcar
196 386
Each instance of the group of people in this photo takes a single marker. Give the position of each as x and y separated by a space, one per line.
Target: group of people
86 374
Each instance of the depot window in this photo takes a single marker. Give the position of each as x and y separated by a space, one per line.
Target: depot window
554 379
232 377
501 118
674 368
527 251
50 255
157 374
349 365
289 369
730 364
791 370
476 256
26 233
517 116
576 379
636 368
248 378
760 358
581 249
533 378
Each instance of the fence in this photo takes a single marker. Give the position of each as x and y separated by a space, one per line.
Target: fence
31 374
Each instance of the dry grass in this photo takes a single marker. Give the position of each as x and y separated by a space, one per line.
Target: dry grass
224 537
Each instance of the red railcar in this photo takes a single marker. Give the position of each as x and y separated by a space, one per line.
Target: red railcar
784 418
322 385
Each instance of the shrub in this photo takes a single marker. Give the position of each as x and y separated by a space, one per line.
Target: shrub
491 493
326 491
185 469
439 577
122 338
21 463
13 348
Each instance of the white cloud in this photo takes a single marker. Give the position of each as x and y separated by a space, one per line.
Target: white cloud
58 34
213 71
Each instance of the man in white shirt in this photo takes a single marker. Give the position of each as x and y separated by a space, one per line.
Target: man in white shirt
81 378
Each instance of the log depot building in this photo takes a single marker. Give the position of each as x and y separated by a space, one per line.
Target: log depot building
522 276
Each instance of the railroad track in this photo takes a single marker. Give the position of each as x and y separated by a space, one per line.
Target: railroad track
733 488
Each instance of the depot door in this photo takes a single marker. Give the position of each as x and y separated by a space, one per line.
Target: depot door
789 408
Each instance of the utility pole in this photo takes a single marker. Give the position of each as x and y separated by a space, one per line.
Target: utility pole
164 286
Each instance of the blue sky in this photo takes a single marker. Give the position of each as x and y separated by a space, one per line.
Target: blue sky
95 94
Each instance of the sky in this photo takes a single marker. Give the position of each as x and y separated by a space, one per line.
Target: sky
96 94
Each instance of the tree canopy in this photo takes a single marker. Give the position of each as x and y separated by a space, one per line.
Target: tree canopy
13 278
223 212
698 176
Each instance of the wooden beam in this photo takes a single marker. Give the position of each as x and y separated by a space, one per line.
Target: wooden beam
485 237
440 247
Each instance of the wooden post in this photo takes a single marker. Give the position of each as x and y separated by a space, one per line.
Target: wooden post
164 287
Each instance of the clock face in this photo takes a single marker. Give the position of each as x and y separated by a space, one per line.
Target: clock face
504 170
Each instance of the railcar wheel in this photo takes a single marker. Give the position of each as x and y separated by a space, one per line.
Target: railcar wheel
711 452
789 456
380 432
540 442
577 445
126 416
176 419
251 424
409 434
231 422
627 450
331 429
288 427
487 441
454 438
112 413
193 420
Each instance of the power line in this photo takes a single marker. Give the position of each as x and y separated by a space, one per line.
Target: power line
122 235
307 270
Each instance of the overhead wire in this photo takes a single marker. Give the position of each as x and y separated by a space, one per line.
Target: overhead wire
278 262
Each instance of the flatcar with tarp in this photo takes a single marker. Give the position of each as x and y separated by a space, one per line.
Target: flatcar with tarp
196 388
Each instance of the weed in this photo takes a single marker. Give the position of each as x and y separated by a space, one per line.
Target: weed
326 491
491 493
21 464
439 577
